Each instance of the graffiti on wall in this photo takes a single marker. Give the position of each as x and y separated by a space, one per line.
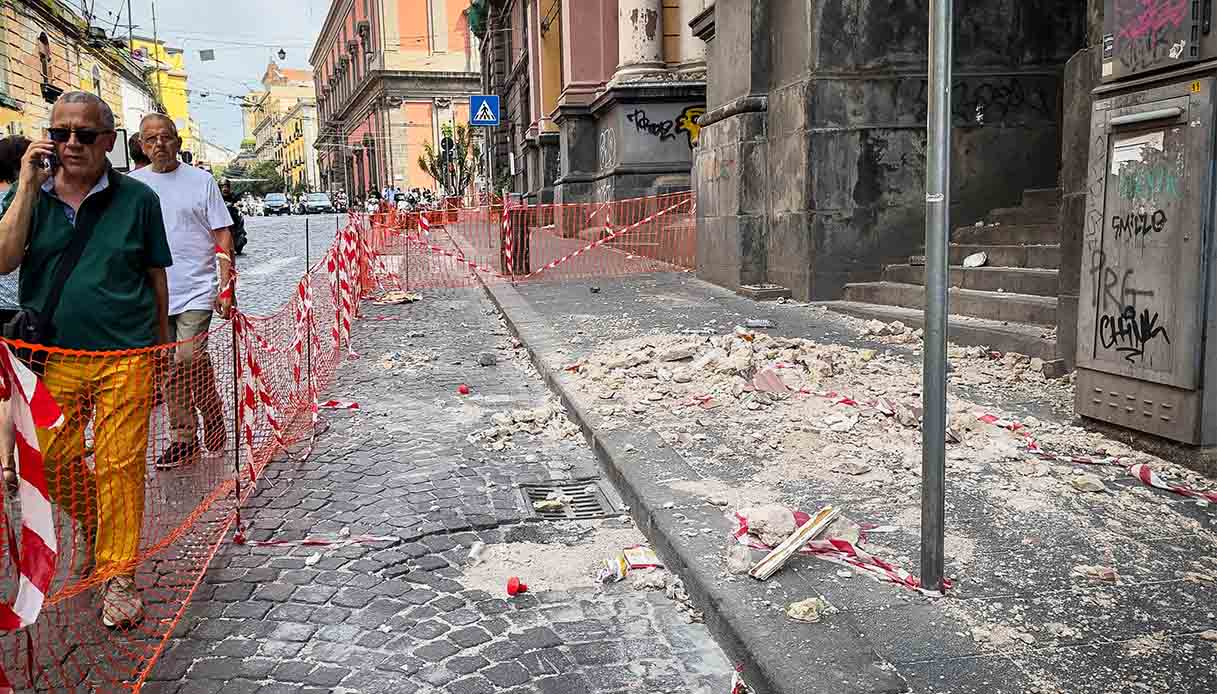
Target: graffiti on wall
666 130
1143 176
1128 332
1146 32
658 128
687 123
987 100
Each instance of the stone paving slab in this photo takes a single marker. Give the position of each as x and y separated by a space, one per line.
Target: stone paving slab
1143 634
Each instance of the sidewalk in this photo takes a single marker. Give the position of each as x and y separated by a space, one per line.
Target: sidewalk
418 464
1056 589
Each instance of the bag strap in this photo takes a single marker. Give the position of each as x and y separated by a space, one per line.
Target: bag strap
82 232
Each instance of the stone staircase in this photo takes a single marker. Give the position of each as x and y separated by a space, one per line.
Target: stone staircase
1008 304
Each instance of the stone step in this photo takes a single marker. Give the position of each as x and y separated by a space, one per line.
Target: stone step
1041 256
1037 281
998 306
1042 197
1008 234
1023 215
962 330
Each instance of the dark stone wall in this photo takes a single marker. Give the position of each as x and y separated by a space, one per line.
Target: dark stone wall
729 171
845 124
847 113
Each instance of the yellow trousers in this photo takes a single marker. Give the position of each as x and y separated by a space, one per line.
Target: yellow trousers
116 394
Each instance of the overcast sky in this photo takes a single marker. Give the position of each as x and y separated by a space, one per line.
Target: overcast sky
244 35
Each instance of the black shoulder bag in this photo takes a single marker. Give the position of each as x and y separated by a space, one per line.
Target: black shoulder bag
37 328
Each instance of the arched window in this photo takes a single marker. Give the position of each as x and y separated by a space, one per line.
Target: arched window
44 57
97 80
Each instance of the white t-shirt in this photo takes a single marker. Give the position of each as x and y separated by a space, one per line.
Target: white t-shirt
193 207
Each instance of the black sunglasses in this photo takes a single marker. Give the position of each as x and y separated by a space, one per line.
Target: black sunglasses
84 136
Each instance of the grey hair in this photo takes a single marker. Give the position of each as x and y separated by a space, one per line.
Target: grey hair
158 116
79 97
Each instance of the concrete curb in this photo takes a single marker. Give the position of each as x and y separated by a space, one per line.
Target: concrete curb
774 657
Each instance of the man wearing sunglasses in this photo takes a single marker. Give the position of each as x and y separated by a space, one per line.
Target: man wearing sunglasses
197 222
91 246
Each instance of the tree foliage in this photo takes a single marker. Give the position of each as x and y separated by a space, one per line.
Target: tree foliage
454 170
269 171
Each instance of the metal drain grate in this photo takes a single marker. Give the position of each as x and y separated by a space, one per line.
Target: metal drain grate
588 499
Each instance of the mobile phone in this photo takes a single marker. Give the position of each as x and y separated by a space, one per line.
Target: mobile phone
50 162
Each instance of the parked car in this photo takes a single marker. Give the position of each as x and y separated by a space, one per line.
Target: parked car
276 203
316 203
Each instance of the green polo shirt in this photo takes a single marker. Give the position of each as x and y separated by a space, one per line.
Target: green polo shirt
108 301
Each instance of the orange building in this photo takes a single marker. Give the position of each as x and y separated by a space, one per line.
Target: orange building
389 74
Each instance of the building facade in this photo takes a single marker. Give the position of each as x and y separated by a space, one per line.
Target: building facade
389 75
600 97
299 153
46 48
280 120
166 69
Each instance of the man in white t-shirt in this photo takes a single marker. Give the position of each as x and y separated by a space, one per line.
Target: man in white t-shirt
196 221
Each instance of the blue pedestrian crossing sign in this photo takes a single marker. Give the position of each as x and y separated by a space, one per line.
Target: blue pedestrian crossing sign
484 109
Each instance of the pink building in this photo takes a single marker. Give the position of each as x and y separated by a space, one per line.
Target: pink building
600 98
389 75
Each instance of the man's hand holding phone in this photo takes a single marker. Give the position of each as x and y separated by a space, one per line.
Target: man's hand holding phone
38 164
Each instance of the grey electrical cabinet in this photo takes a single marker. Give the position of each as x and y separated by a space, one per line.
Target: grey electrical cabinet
1147 314
1143 36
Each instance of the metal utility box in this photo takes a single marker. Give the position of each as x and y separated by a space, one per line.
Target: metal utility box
1142 36
1147 314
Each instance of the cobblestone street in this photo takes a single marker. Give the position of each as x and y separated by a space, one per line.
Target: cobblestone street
274 257
412 614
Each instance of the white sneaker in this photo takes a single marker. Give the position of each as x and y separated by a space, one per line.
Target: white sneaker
121 607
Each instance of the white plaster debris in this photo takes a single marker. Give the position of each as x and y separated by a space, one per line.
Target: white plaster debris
810 610
771 523
547 421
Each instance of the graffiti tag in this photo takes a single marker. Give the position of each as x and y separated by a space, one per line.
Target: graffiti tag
661 129
1118 292
687 123
1128 333
1138 224
1145 31
1139 183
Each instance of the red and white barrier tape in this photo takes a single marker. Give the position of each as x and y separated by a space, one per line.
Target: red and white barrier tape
600 242
32 408
338 405
1143 472
841 552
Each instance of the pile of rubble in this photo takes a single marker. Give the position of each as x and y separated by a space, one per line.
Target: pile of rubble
752 408
894 333
547 421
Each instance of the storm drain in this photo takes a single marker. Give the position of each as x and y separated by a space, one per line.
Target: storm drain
586 499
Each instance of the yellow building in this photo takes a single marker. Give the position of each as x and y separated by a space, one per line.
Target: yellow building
281 119
46 48
167 76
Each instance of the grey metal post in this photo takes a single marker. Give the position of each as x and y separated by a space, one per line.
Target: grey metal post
937 226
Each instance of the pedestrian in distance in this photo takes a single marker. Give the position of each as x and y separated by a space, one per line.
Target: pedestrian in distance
91 246
135 151
197 222
12 148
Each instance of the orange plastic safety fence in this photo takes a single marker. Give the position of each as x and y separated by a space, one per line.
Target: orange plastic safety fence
143 471
551 242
